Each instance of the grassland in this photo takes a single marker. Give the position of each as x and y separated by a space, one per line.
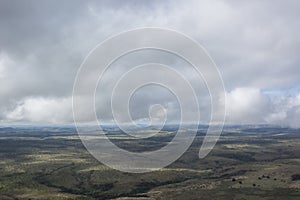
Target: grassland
247 163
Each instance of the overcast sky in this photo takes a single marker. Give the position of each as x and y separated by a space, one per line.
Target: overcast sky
255 44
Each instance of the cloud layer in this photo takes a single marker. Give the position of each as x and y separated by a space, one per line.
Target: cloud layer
255 44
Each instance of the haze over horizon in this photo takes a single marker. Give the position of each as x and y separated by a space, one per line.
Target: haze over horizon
255 45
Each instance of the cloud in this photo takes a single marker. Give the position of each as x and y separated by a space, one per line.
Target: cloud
252 106
285 111
254 43
42 110
293 116
247 105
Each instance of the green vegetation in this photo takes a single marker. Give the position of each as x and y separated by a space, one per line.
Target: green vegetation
51 163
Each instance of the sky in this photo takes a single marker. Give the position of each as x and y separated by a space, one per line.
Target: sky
255 44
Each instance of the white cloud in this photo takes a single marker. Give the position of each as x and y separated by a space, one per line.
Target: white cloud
44 110
252 106
285 111
247 105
